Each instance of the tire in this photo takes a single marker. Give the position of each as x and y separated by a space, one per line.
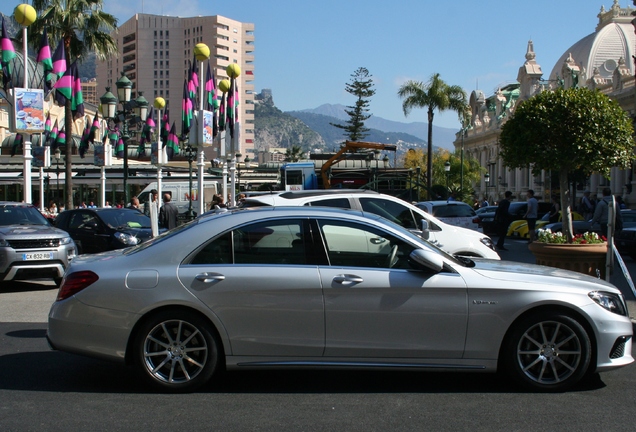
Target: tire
548 352
176 351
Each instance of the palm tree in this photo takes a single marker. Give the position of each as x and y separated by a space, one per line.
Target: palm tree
84 27
293 154
436 95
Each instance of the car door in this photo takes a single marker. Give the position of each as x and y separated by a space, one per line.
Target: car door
87 230
259 281
377 307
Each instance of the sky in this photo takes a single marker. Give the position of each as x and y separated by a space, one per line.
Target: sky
306 50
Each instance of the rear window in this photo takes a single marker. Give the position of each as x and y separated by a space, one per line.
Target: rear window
453 211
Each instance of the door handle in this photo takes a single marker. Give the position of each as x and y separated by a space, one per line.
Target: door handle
347 279
209 277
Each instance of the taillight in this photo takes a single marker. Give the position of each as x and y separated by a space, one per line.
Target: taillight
75 282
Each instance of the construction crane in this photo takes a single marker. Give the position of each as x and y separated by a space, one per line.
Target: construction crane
350 147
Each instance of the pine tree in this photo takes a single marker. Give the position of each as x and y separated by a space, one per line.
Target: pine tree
361 86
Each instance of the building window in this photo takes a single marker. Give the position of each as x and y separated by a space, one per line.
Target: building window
167 33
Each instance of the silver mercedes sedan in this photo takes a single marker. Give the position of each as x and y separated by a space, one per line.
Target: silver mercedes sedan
317 287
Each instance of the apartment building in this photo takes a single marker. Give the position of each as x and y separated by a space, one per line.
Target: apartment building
155 52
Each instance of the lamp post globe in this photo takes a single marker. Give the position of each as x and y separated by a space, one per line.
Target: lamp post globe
108 104
25 14
124 88
141 107
201 52
159 103
233 70
224 85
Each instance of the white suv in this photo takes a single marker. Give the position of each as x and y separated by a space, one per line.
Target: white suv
454 240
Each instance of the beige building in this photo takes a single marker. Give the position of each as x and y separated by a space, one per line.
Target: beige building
155 52
601 60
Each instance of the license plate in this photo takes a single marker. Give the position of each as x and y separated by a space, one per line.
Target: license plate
37 256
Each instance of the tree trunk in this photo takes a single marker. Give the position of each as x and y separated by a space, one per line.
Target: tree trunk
429 161
566 218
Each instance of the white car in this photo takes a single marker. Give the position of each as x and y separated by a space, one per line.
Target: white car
456 213
454 240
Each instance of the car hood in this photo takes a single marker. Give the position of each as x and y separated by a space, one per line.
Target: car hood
34 231
516 272
142 233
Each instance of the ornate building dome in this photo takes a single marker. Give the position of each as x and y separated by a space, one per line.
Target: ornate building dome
601 51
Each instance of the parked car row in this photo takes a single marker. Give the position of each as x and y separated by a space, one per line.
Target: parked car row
516 211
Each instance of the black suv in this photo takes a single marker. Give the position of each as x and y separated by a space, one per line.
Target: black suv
30 247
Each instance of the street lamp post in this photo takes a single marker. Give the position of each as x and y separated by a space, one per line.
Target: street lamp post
57 156
238 175
447 167
190 154
133 113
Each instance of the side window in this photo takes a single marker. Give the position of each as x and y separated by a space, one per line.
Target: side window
218 251
355 245
332 202
271 242
393 211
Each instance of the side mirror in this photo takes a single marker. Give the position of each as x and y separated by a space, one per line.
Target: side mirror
424 228
427 259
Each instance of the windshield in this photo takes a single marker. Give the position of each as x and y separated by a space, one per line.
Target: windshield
21 215
125 218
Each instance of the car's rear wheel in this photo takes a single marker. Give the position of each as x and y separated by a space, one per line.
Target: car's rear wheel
176 351
548 352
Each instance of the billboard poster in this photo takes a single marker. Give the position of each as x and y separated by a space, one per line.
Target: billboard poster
38 154
98 156
154 158
29 110
207 132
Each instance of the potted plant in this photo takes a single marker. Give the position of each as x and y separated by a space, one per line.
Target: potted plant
585 253
564 131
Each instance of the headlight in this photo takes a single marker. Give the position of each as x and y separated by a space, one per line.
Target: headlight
488 242
66 240
612 302
3 243
126 239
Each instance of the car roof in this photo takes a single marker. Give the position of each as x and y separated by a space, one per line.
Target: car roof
291 211
15 203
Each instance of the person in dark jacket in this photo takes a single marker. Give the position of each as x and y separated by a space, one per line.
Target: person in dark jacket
502 219
168 213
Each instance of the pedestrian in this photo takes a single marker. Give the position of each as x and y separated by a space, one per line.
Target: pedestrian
601 213
484 203
134 203
554 210
502 219
152 199
587 206
452 197
531 214
217 202
168 213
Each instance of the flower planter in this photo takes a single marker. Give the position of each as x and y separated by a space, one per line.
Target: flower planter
582 258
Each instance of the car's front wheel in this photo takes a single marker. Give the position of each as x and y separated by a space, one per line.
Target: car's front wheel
548 352
176 351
